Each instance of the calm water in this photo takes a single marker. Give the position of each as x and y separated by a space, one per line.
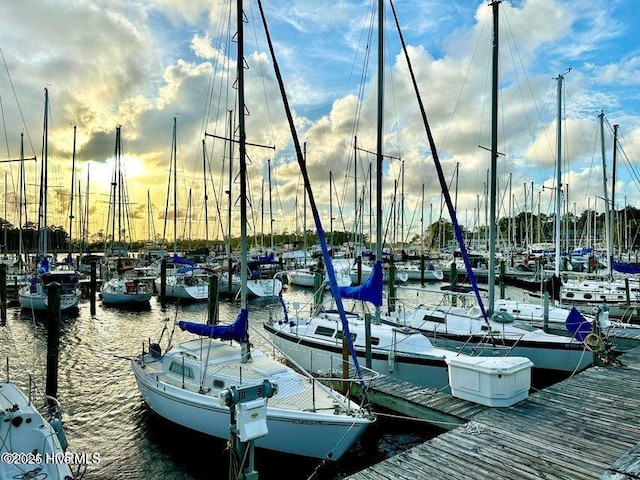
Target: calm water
105 414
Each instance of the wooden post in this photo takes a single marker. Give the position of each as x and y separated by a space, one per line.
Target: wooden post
163 281
92 288
3 293
318 279
53 338
392 287
213 312
453 281
545 312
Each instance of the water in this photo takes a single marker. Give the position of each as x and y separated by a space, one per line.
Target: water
105 414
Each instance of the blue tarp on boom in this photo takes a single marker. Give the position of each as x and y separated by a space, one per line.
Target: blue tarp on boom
182 261
370 290
237 331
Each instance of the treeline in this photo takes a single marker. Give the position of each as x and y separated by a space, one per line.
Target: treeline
626 233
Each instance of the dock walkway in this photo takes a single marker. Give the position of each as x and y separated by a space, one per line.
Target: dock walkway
585 427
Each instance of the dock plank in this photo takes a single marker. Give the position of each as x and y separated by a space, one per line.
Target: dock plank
586 427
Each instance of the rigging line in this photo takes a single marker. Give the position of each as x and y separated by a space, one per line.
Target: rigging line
13 89
521 63
263 75
434 153
316 216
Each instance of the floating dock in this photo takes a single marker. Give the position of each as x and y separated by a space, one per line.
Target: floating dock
585 427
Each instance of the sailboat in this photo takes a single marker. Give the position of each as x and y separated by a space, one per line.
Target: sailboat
183 384
472 329
184 280
316 341
33 445
122 286
34 295
621 293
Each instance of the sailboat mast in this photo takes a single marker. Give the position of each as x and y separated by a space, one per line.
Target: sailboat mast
206 197
243 159
229 259
270 207
494 162
44 178
613 190
379 159
607 221
558 172
73 173
175 188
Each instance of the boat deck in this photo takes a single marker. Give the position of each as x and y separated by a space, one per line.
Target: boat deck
585 427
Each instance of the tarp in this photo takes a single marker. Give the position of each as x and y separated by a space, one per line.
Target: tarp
577 325
44 266
182 261
237 331
370 290
625 267
270 257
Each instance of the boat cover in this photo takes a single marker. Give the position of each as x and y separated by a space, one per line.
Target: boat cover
578 326
237 331
370 290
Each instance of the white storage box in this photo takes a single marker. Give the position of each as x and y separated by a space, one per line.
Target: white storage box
490 381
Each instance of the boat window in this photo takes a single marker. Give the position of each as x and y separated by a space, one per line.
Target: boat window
433 318
325 331
587 296
569 295
181 370
217 383
375 341
340 336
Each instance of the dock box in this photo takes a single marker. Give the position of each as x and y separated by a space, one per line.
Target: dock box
490 381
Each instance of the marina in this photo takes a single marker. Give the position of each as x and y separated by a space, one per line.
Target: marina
105 413
231 342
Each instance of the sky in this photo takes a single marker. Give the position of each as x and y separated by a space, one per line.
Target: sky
140 64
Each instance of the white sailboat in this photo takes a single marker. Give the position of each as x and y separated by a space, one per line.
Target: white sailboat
183 384
121 287
185 281
33 296
31 446
476 330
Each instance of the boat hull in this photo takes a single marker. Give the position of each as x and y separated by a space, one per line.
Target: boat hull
30 438
322 434
322 358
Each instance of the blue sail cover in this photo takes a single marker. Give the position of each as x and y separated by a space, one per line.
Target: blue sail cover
577 325
270 257
182 261
44 266
625 267
370 290
237 331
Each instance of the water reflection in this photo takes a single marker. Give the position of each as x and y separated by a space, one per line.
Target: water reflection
105 414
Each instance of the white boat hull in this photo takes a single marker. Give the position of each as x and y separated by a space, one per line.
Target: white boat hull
29 442
397 356
40 301
121 292
323 431
261 287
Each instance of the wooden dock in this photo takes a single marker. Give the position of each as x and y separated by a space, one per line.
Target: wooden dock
585 427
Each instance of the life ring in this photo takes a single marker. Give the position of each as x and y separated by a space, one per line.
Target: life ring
592 341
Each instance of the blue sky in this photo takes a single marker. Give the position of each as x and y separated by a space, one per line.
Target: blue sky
139 64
